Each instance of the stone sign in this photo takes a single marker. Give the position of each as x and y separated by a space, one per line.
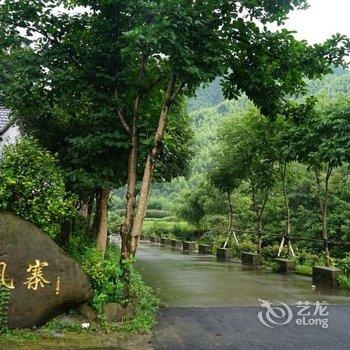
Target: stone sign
43 281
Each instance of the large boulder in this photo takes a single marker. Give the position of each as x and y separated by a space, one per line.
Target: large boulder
43 281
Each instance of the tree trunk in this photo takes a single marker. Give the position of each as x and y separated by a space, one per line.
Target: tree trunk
259 229
230 207
260 220
125 233
89 212
101 241
84 208
64 233
287 214
230 219
149 168
323 200
258 212
96 222
129 213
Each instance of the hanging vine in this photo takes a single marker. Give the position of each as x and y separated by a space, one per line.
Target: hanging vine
4 302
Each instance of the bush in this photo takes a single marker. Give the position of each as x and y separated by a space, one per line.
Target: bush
165 219
179 230
305 258
305 261
32 187
304 270
145 305
157 203
62 327
269 254
244 246
344 265
115 221
215 237
104 275
344 278
105 278
344 281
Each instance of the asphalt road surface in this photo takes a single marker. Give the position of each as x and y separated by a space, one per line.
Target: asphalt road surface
239 328
215 305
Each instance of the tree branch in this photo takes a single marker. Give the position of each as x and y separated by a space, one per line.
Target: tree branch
120 113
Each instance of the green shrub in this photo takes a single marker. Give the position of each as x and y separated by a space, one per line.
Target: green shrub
104 275
151 213
344 281
145 306
244 246
344 265
305 261
105 278
215 237
304 270
164 219
157 203
274 266
344 278
269 254
32 186
62 326
179 230
308 259
115 221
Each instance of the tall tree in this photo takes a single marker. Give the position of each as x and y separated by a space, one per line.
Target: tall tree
286 151
225 177
247 141
324 144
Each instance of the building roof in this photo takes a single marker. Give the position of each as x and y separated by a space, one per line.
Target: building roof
4 117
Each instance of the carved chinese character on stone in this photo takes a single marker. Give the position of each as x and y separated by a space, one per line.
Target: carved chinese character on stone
36 277
58 286
9 285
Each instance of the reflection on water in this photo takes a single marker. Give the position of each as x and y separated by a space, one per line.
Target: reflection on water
202 281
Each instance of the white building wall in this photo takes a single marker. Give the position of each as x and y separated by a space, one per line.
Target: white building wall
9 137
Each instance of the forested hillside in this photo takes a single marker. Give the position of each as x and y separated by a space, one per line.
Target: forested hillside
210 101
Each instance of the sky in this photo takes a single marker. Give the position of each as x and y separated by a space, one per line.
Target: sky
321 20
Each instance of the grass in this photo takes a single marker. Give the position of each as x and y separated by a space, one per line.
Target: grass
18 336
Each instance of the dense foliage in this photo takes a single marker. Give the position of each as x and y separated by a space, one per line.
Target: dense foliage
104 273
32 186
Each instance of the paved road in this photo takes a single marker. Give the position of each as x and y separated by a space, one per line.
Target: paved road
215 305
238 328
